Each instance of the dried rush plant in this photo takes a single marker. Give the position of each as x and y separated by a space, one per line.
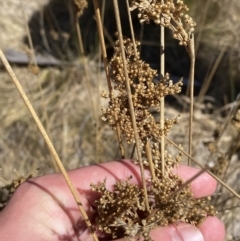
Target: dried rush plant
129 210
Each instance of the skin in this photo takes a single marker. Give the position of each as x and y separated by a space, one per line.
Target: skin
43 209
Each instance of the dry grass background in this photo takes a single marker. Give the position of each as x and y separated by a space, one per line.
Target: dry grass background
61 98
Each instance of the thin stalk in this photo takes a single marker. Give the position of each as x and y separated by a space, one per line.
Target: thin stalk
133 150
119 28
162 100
105 62
108 36
205 170
191 52
230 114
33 57
49 144
150 160
99 136
80 43
202 22
147 145
42 30
209 78
131 27
102 43
119 136
141 37
34 63
103 10
227 160
186 183
89 87
233 149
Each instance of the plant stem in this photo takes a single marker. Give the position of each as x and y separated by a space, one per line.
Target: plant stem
162 100
131 27
191 51
83 58
149 158
105 62
88 86
209 77
210 173
119 28
186 183
33 62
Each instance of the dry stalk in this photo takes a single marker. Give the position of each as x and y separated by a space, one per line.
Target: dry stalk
224 126
35 70
131 26
209 77
162 100
84 61
201 23
105 61
191 52
210 173
139 155
42 30
32 53
49 144
79 7
148 150
186 183
147 145
99 136
135 51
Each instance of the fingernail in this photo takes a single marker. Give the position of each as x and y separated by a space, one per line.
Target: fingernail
186 233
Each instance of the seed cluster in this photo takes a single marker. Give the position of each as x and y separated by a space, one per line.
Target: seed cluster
145 94
122 212
169 13
80 5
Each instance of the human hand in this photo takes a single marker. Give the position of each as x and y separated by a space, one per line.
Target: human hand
43 209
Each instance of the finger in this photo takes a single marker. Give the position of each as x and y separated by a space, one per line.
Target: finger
202 186
210 230
176 232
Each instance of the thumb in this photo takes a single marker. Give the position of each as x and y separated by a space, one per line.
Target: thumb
185 232
176 232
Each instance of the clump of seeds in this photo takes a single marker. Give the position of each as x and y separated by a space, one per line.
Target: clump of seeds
169 13
145 94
